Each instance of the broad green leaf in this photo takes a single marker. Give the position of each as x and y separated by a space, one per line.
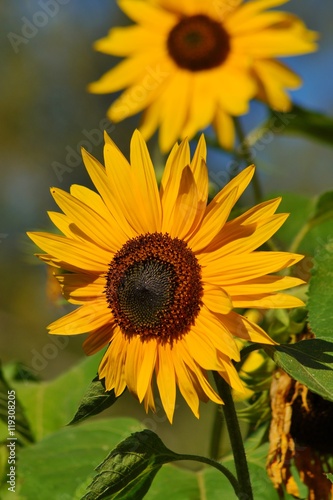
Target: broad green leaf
133 462
95 400
12 413
61 465
304 122
308 361
321 293
128 471
50 405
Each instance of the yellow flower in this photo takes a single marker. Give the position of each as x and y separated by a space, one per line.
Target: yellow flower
194 63
157 272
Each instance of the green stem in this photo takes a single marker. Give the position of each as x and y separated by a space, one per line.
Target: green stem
228 474
246 154
235 437
218 427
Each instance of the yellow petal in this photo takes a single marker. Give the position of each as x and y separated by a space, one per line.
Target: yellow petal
78 288
255 23
133 363
292 38
238 88
237 268
185 383
150 119
230 374
275 77
213 222
126 41
186 207
259 236
67 227
199 168
123 184
271 301
166 380
241 327
90 198
264 284
146 190
127 72
203 97
224 127
217 299
175 108
144 90
148 402
219 335
98 176
202 350
98 339
250 9
144 375
81 255
143 12
97 229
198 375
84 319
112 365
171 182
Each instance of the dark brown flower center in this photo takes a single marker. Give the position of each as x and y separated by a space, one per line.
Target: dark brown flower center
198 42
154 288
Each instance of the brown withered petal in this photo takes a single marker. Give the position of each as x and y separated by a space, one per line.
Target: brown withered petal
293 441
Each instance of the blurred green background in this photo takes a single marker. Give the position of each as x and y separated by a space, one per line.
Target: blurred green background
46 114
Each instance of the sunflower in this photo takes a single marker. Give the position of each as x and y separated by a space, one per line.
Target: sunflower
157 272
199 62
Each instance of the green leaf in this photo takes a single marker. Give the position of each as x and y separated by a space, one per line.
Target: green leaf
62 464
175 483
323 206
304 122
309 222
329 476
50 405
95 400
137 488
12 413
130 467
321 293
308 361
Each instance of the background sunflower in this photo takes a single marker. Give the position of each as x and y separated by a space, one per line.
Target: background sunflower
196 63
